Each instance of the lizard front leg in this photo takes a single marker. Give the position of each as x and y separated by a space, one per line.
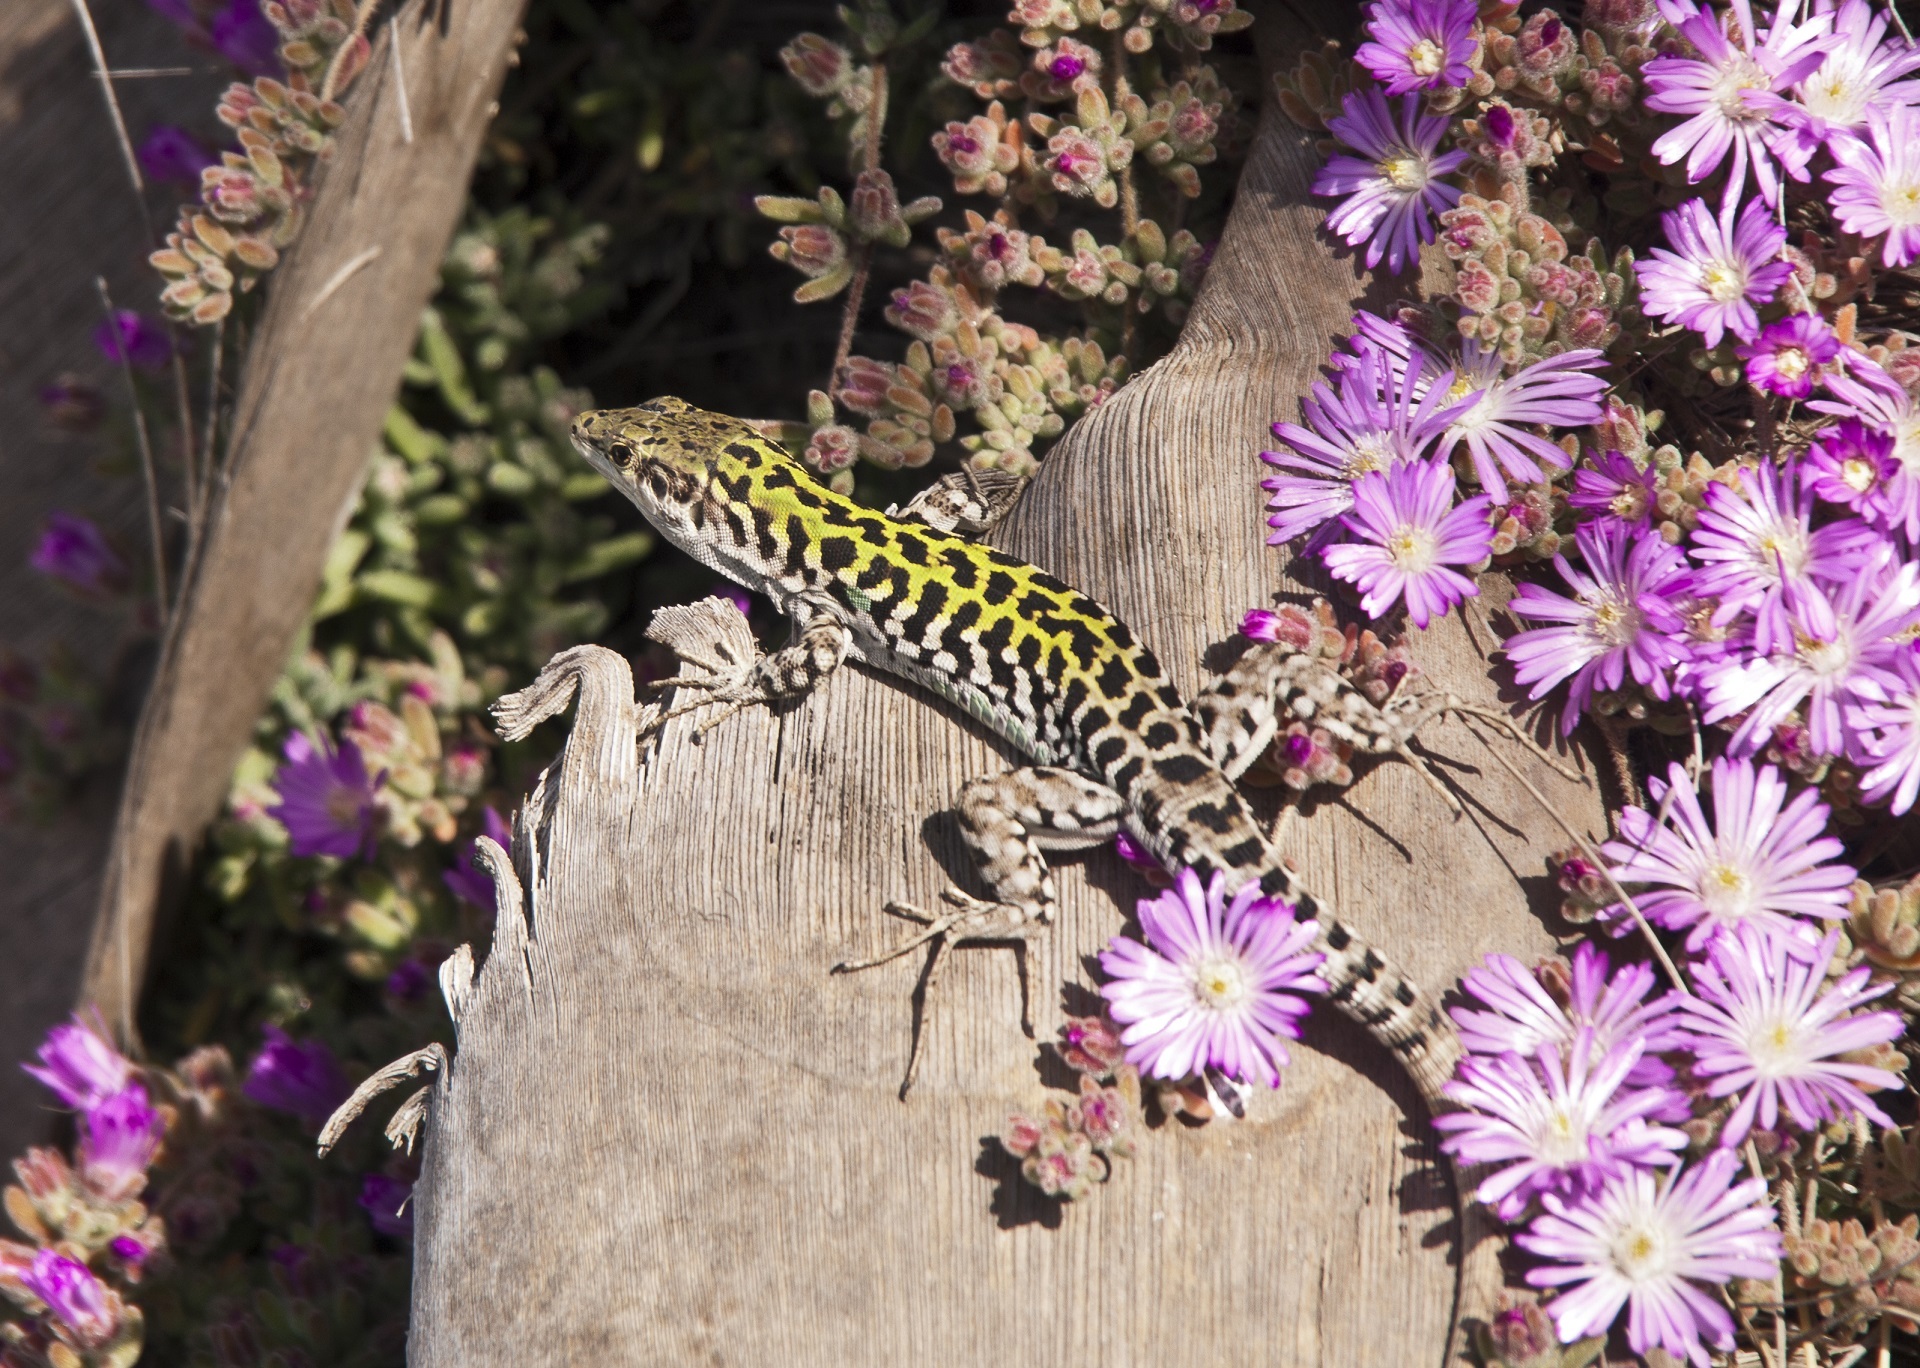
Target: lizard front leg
714 668
1007 822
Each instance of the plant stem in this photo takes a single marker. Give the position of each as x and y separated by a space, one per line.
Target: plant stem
1129 200
145 444
863 253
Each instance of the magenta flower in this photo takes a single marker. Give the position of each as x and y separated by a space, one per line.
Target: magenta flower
1406 535
1718 270
1760 1026
142 342
245 37
74 1296
1752 544
1655 1248
1217 985
118 1140
1868 394
74 551
1619 620
466 881
79 1065
298 1077
1419 44
1850 464
1520 1016
1611 486
1858 75
327 801
1876 184
1761 861
1732 92
1887 739
387 1202
1497 421
169 153
1840 645
1788 353
1557 1124
1380 416
1393 189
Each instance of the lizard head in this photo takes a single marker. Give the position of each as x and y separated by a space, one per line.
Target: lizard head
664 454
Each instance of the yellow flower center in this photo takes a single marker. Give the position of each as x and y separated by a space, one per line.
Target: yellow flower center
1901 203
1640 1254
1857 475
1614 622
1724 281
1426 57
1412 549
1737 80
1726 892
1370 452
1792 363
1219 984
1405 172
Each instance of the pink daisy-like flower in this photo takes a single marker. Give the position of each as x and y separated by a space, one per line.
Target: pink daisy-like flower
1656 1248
1217 985
1407 534
1760 861
1419 44
327 799
118 1141
79 1064
85 1307
1392 189
1752 543
1867 393
1618 622
1608 485
1732 92
1849 464
1887 739
1719 271
1520 1016
1759 1025
1858 75
1788 353
1876 184
1838 649
1496 421
1380 416
1560 1122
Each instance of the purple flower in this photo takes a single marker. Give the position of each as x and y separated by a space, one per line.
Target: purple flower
1382 415
1887 739
1618 621
1496 423
1868 394
1788 353
1557 1124
1876 184
1732 92
1760 1026
1521 1017
1751 545
1407 534
169 153
299 1077
1761 861
140 341
79 1065
387 1202
1848 464
1857 76
118 1140
327 799
1419 44
1393 188
1655 1248
1217 985
75 1297
1718 271
1839 648
74 551
245 37
1611 486
468 882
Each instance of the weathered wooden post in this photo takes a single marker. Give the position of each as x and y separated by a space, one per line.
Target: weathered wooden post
668 1135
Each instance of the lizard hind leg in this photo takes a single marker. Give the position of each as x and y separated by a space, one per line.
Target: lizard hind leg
1007 822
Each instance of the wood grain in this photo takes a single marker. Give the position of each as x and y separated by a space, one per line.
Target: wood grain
324 365
669 1136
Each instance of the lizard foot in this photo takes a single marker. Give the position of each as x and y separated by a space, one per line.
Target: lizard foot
972 919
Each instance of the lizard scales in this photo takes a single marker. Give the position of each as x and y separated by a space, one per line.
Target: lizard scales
1042 665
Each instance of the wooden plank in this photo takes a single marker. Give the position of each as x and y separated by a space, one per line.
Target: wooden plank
669 1136
324 365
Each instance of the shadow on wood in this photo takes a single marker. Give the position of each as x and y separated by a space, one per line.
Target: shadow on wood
668 1136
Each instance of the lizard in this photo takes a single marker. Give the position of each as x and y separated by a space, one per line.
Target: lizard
1050 671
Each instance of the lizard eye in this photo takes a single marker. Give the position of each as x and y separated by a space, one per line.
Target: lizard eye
622 454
